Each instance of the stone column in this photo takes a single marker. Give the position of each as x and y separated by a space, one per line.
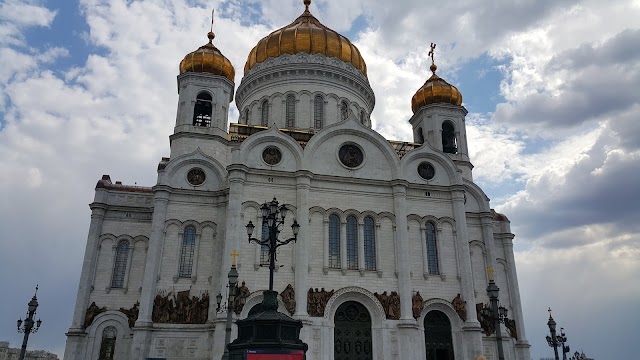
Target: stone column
302 244
402 246
361 254
142 334
489 243
343 246
235 228
471 328
522 345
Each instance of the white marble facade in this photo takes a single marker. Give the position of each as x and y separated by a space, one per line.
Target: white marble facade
312 180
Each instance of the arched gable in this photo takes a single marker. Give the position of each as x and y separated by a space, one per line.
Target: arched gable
446 171
175 174
250 151
479 196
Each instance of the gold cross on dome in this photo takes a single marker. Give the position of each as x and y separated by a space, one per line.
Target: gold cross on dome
490 271
234 254
432 53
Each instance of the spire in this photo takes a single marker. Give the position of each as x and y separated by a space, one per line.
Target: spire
211 35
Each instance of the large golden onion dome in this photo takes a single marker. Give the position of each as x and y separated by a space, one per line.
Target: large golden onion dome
306 35
435 91
208 59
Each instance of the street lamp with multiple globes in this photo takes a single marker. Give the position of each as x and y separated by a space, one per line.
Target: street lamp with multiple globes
273 215
555 340
26 326
495 312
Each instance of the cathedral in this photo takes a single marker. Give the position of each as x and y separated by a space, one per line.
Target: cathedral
396 244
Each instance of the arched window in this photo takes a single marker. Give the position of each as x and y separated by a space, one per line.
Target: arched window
352 243
318 112
420 136
264 119
120 265
363 117
334 241
108 345
432 249
246 116
264 249
187 252
369 243
291 111
449 144
202 110
344 110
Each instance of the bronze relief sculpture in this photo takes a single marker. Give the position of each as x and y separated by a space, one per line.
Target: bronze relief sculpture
459 306
317 301
289 298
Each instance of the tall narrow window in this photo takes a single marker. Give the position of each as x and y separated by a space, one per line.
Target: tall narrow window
369 243
108 345
246 116
264 249
187 252
291 111
363 118
264 119
449 144
334 241
432 249
120 265
202 110
318 112
344 110
352 243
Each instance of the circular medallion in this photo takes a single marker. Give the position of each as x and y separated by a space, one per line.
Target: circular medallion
426 170
272 155
196 176
351 155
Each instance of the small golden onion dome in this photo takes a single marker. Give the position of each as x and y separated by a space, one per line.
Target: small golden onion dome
208 59
306 35
435 91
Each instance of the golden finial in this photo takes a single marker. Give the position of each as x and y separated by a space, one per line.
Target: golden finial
234 254
433 62
306 4
211 35
490 271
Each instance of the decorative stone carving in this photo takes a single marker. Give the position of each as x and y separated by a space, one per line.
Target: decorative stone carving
460 307
242 293
180 309
317 301
131 314
485 322
289 298
390 304
92 311
272 155
511 326
417 305
196 176
351 155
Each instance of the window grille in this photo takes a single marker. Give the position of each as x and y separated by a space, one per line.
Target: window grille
202 110
291 111
108 345
187 252
120 265
264 120
344 111
334 241
264 249
432 250
318 112
352 243
369 244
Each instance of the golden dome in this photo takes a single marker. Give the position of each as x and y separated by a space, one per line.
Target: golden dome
435 91
306 35
208 59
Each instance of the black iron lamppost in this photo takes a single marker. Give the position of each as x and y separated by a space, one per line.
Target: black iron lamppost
495 312
562 340
273 215
27 326
553 339
233 280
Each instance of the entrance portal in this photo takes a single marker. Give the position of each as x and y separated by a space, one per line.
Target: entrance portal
352 335
437 336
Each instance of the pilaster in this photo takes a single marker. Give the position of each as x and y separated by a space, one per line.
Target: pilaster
402 241
303 184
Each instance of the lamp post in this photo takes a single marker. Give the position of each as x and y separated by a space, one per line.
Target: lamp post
233 280
553 339
562 340
27 326
495 312
273 215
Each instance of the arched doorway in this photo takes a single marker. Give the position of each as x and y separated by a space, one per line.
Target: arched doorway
352 334
437 336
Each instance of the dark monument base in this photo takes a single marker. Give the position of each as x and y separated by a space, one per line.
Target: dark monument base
268 334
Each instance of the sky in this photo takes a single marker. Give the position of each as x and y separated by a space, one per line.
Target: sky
88 87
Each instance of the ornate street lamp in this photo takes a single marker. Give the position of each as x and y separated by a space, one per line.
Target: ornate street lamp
552 340
273 215
26 326
233 280
495 312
